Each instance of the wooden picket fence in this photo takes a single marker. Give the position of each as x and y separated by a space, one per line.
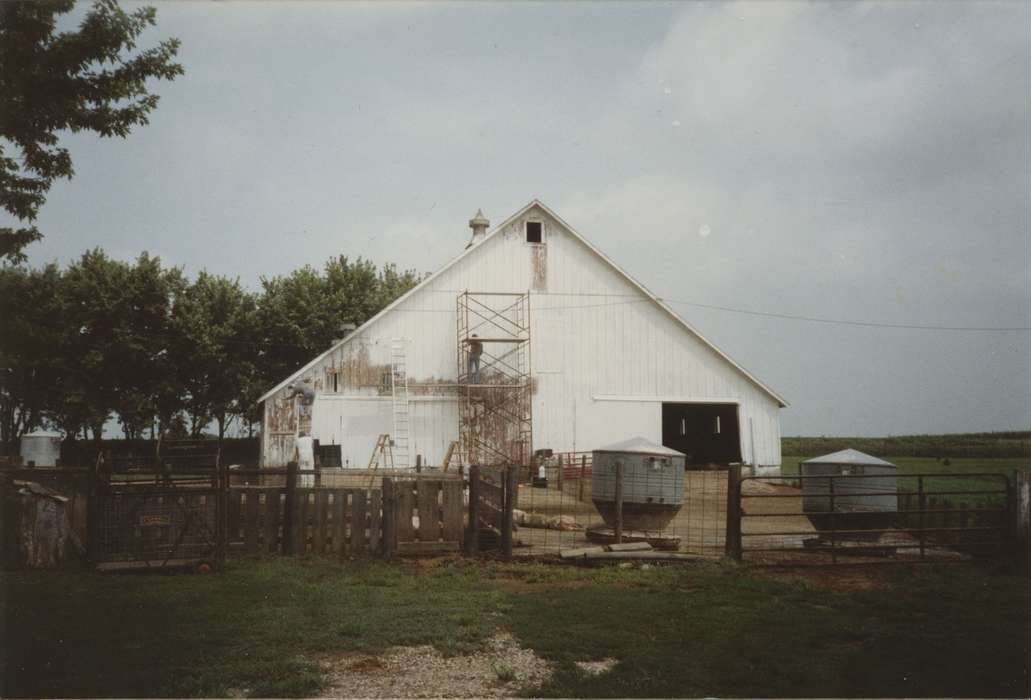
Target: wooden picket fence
404 516
317 521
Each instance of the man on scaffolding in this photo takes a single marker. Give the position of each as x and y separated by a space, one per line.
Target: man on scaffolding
475 350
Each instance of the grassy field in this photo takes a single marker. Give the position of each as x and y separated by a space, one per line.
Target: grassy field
713 629
966 445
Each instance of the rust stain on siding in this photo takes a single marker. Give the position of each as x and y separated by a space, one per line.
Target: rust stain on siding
281 415
280 451
539 260
355 371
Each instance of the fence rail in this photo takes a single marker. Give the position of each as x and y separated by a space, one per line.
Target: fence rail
136 519
873 517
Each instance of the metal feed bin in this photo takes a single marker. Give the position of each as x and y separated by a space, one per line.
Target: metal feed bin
653 483
866 499
41 448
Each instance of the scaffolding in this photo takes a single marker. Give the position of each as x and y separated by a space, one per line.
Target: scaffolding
495 426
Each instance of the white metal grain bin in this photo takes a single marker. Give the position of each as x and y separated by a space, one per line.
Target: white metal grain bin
41 448
653 483
870 486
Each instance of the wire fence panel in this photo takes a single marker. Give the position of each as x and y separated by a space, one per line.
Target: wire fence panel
567 510
865 518
154 527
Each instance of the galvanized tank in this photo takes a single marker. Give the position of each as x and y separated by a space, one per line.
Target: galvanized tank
653 483
854 498
41 448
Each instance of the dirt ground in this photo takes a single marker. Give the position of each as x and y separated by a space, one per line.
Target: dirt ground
700 525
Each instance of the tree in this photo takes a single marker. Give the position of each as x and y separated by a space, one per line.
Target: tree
134 340
216 349
75 81
144 334
115 356
301 314
29 347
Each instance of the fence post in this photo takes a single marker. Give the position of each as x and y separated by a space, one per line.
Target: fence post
94 507
1020 513
561 468
732 544
833 522
619 503
922 505
472 543
583 474
389 518
288 509
418 464
511 491
222 509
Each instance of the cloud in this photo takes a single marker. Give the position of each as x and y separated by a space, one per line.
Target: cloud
863 161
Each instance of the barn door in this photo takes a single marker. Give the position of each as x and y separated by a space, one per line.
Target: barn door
707 433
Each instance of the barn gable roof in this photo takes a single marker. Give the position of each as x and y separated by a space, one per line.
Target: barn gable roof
471 250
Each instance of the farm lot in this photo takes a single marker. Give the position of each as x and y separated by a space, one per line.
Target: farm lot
299 627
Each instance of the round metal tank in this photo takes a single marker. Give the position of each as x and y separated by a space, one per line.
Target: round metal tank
653 483
41 448
856 499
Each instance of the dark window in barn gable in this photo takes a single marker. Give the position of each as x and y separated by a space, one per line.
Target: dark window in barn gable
533 232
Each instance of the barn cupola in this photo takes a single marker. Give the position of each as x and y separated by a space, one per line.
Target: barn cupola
478 224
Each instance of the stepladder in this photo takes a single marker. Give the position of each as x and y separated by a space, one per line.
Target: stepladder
382 453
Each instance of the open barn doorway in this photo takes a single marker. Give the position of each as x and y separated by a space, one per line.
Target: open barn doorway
707 433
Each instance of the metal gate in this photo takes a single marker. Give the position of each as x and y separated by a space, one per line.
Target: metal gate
158 514
870 518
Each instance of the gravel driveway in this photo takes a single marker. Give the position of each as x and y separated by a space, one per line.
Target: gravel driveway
498 671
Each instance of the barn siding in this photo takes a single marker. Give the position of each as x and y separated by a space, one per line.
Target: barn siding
593 334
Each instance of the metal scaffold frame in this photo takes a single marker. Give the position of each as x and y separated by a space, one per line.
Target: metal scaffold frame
495 425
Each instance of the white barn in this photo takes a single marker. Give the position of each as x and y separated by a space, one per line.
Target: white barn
576 355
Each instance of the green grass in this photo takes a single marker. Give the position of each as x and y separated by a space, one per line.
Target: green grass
254 628
714 629
956 468
719 631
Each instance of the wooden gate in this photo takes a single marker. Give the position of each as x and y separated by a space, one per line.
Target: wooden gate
423 515
493 492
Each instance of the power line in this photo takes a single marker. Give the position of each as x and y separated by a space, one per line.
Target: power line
633 298
844 322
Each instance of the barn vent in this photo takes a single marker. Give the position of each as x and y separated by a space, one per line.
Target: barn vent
478 224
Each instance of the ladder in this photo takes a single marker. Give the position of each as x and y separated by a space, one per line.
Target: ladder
454 451
399 400
382 451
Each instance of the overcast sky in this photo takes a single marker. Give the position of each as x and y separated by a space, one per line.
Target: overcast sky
866 162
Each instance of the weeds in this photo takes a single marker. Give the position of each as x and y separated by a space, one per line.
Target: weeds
505 674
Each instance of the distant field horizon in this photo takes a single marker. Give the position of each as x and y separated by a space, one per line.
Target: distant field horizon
1003 444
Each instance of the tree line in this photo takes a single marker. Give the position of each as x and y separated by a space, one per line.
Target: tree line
164 354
